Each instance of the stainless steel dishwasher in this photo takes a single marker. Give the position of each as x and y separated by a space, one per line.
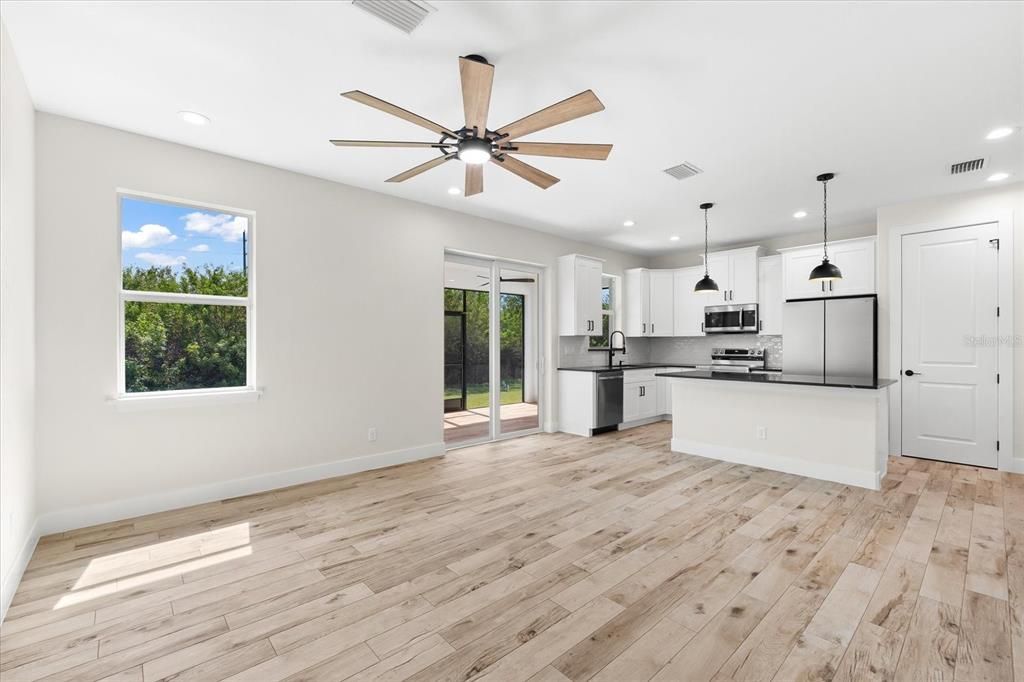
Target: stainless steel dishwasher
609 401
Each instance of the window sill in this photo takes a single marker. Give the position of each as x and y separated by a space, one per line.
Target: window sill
132 402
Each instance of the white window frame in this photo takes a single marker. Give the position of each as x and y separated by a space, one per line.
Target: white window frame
152 398
611 313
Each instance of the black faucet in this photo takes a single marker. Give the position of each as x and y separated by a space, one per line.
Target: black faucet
612 348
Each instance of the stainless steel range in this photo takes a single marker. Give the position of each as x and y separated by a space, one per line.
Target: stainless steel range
735 360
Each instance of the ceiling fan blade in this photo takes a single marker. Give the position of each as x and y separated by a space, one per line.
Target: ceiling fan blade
384 143
568 109
597 152
416 170
474 179
527 172
388 107
477 79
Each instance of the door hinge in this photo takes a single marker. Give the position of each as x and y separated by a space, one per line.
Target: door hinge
997 446
997 311
997 378
994 242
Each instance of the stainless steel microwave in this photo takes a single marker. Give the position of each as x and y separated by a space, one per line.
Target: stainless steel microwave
731 319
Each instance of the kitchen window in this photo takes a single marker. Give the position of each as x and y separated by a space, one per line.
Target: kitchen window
186 298
608 289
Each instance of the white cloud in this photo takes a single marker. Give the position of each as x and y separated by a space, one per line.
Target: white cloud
160 259
146 237
228 227
201 248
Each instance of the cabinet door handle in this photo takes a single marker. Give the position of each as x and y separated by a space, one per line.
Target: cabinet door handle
652 327
823 286
760 325
701 327
645 328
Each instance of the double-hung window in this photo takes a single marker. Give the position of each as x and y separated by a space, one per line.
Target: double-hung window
186 298
608 304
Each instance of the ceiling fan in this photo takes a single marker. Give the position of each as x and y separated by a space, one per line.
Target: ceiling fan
487 279
475 144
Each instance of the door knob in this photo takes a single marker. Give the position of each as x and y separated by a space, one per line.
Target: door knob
911 373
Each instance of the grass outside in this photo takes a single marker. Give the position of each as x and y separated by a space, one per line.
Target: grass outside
476 394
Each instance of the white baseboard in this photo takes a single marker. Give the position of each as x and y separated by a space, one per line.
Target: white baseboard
90 515
644 422
801 467
13 578
1017 465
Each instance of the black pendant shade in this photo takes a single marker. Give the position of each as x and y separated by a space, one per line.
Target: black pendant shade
825 272
706 284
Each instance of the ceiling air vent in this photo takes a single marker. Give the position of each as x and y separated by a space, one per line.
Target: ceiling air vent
405 15
683 171
966 166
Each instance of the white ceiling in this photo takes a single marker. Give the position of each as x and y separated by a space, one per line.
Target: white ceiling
762 96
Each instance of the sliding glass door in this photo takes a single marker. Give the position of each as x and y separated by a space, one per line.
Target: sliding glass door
491 349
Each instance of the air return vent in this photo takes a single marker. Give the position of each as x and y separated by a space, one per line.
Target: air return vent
405 15
683 171
967 166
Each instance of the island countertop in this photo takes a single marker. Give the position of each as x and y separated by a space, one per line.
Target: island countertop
782 378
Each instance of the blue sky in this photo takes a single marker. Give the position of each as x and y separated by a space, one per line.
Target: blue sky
160 234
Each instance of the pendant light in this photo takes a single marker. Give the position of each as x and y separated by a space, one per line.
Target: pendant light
825 272
706 284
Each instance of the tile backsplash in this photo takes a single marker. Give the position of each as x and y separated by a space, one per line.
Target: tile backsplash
696 350
676 350
572 352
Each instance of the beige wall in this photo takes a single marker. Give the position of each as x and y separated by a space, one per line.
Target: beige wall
950 211
348 330
17 322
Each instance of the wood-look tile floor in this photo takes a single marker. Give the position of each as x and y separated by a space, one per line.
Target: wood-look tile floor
544 558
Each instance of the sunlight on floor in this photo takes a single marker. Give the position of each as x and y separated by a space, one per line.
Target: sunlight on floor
145 565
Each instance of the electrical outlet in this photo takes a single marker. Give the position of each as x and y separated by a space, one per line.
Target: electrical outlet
371 434
762 433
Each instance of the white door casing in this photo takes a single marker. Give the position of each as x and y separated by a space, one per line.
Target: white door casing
949 333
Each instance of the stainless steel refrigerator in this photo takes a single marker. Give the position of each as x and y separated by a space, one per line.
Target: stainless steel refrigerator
831 337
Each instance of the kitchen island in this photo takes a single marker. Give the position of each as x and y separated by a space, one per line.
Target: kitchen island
832 428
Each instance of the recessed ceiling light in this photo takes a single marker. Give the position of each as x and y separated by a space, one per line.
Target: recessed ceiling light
674 238
194 118
999 133
996 177
628 223
800 214
454 190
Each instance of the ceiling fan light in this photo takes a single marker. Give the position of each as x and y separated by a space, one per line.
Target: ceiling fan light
475 151
825 272
705 285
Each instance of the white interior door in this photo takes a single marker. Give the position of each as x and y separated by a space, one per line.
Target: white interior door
949 335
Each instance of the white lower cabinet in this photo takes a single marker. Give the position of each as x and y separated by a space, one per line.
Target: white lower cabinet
639 394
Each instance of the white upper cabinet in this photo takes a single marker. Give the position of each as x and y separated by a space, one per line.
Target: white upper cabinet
796 267
579 295
662 308
743 265
637 302
854 257
735 272
649 302
769 294
689 305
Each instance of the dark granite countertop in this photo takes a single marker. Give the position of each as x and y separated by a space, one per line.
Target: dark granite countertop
782 378
606 368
